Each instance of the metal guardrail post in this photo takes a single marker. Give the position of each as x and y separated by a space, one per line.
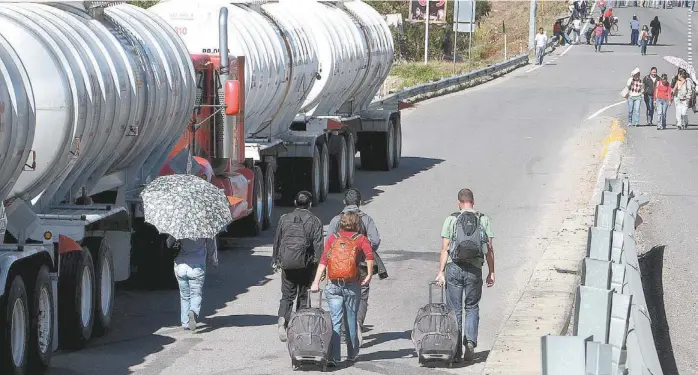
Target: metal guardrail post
599 359
599 243
563 355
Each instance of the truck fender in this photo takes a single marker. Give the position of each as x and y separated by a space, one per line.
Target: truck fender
67 244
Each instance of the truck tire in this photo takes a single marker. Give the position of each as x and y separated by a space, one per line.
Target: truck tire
41 323
251 225
338 164
269 186
385 146
76 292
324 171
351 159
14 343
397 157
315 176
104 283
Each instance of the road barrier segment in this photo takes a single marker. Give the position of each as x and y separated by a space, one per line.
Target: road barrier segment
612 331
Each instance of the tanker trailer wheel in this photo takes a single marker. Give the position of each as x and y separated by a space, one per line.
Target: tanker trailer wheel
398 142
76 292
315 176
385 145
325 171
104 282
251 225
41 337
351 159
268 196
14 343
338 161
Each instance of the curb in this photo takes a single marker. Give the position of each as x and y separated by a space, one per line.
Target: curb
545 306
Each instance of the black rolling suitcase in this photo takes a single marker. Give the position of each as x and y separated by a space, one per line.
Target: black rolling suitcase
435 332
309 333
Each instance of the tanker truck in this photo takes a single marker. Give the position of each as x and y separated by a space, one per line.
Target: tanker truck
285 107
92 100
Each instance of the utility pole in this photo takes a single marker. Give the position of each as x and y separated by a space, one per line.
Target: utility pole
426 35
532 25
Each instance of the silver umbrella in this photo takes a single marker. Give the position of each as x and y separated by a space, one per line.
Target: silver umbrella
185 206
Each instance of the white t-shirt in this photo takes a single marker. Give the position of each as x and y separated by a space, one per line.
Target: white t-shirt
541 40
577 24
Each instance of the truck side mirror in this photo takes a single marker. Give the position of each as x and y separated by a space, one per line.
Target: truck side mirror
232 97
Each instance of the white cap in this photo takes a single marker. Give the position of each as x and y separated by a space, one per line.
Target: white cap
635 71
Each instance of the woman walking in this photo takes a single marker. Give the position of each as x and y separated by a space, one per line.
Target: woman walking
662 97
682 93
598 32
635 93
343 252
644 39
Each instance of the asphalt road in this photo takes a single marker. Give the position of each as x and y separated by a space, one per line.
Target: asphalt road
661 163
522 143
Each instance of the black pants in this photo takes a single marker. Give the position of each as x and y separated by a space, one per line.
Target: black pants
294 288
653 39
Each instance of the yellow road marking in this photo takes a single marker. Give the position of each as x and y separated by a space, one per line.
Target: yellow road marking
617 135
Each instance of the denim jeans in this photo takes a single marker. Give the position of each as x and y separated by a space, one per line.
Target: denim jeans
599 40
649 105
343 299
540 52
634 110
190 278
464 289
662 107
643 46
634 35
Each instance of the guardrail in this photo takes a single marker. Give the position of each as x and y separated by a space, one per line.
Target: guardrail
456 80
612 331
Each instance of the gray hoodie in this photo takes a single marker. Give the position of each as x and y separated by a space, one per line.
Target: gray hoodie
371 230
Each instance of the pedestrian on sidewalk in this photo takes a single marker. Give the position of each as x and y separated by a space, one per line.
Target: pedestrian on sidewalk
296 252
656 29
634 94
367 227
599 31
541 42
683 92
644 40
634 31
663 98
466 243
649 82
343 252
576 28
190 272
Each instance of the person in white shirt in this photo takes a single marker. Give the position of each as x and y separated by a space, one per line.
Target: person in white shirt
576 26
541 41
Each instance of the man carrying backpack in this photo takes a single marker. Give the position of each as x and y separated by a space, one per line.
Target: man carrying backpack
298 246
466 243
352 201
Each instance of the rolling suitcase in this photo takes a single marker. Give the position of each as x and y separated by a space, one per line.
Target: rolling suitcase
309 333
435 332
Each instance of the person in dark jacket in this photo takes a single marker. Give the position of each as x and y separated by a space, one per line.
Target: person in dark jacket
650 81
352 201
656 29
299 226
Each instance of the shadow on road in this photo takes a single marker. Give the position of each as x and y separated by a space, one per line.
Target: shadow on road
651 266
383 337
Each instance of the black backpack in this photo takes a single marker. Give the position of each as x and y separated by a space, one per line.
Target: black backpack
468 237
293 249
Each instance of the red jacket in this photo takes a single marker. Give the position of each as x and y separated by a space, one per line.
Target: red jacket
662 90
361 241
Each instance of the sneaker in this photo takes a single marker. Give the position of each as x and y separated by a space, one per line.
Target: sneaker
192 321
352 359
469 353
331 363
281 328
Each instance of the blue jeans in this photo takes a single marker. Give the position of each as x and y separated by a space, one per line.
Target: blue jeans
634 34
662 107
649 104
190 278
643 46
464 289
343 299
599 41
634 110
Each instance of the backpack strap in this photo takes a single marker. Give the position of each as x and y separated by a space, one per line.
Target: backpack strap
456 214
355 236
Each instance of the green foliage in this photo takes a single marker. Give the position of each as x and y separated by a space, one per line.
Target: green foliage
143 4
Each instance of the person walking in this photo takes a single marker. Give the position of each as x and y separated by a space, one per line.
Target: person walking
367 227
634 30
656 29
634 96
682 93
606 29
663 99
576 27
296 251
599 33
190 272
460 267
343 252
644 39
649 82
541 42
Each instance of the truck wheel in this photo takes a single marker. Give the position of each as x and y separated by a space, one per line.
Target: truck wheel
351 159
268 197
41 339
14 343
76 293
324 171
251 225
104 282
386 149
315 176
338 167
398 143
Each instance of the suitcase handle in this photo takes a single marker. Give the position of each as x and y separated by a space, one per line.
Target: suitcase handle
431 288
319 292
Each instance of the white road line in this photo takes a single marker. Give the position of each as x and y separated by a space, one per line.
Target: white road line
603 109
